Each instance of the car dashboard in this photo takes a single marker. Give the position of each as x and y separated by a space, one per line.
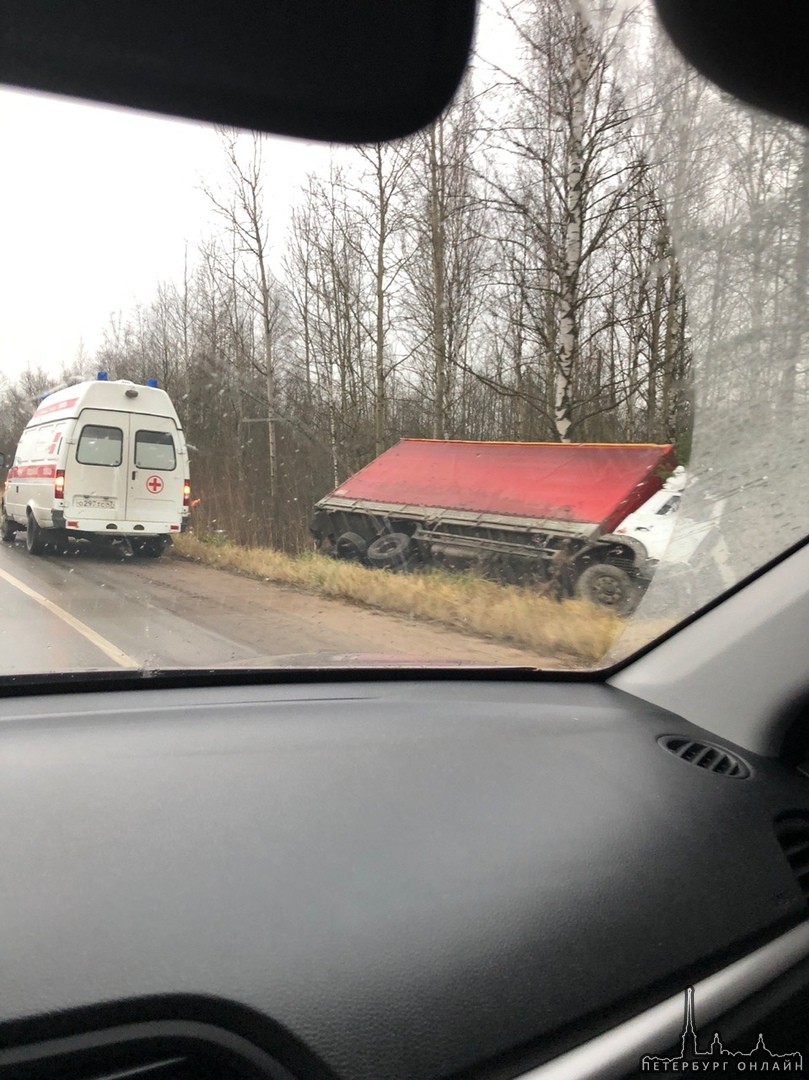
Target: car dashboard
399 875
395 879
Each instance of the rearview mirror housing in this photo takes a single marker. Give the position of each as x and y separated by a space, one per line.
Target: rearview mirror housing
339 70
756 51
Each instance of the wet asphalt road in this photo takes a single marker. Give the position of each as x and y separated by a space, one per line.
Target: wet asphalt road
96 610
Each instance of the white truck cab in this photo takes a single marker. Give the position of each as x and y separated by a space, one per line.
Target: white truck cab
653 522
101 459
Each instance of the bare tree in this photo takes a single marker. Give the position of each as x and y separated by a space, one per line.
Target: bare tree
446 266
242 209
387 166
573 181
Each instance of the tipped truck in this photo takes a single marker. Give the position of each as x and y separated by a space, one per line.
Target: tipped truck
547 512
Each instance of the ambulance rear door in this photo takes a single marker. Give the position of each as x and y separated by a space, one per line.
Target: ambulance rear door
95 469
156 472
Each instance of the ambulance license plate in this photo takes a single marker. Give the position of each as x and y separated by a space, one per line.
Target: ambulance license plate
94 502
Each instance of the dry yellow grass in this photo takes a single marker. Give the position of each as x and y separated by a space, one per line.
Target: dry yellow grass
573 630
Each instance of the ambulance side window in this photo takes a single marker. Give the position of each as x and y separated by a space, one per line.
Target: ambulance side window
38 448
100 445
46 440
23 447
154 450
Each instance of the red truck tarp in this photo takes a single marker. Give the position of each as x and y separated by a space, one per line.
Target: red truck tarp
589 483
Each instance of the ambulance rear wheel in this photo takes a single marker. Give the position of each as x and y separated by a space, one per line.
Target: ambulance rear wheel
151 548
7 530
34 541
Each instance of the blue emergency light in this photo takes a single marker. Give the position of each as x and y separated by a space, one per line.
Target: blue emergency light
151 382
102 376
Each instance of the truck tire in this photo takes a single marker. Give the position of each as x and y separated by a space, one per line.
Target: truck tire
350 545
610 587
34 540
390 552
7 530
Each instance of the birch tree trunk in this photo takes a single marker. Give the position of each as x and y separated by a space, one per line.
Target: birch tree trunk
436 212
567 357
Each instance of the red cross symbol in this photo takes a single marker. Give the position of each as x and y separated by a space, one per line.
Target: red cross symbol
154 484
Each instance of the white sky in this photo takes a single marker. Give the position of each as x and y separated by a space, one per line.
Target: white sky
97 206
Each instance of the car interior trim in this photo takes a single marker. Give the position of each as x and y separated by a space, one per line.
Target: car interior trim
657 1029
695 673
187 1030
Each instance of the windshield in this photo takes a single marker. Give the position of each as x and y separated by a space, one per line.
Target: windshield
525 389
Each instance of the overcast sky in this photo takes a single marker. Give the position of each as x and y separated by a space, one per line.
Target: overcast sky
97 206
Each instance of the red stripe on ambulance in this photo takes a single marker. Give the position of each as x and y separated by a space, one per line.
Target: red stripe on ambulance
32 472
55 407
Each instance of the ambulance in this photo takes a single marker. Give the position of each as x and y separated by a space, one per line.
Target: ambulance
102 461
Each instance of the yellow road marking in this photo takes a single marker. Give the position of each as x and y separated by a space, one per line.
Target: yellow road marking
87 632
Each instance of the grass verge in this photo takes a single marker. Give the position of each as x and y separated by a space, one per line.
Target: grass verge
573 630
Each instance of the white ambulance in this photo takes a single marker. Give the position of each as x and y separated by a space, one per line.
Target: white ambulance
100 459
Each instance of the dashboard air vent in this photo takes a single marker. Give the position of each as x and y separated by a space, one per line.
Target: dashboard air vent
706 756
792 831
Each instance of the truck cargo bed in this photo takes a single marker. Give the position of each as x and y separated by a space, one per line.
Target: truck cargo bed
574 488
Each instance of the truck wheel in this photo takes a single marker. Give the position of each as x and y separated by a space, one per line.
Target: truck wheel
7 530
350 545
610 587
390 552
34 541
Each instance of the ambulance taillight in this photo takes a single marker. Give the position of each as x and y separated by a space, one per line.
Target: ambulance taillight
59 484
187 493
